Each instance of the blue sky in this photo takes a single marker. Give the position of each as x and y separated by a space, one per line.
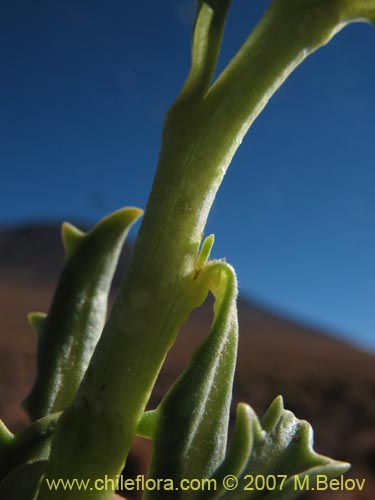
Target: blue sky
84 87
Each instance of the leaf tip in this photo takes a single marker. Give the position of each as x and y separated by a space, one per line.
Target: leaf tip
71 237
205 251
6 436
36 321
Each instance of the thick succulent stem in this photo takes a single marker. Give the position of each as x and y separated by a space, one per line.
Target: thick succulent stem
202 132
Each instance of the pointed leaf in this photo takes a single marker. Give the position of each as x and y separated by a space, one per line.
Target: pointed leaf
72 238
147 424
282 448
78 311
36 321
192 424
207 36
238 453
205 251
34 443
6 439
22 482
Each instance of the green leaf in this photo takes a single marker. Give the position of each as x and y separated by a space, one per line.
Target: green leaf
147 424
36 321
34 443
192 423
205 251
287 34
69 334
6 437
238 453
6 440
72 238
207 36
281 447
22 482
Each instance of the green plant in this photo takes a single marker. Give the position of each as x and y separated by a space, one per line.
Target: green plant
95 376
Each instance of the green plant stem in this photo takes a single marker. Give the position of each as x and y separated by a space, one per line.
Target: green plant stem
199 140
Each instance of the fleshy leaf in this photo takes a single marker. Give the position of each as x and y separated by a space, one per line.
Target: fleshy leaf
147 424
78 311
72 237
205 251
22 482
6 439
36 321
207 36
34 443
192 424
281 448
238 453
